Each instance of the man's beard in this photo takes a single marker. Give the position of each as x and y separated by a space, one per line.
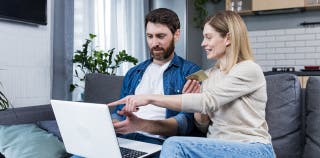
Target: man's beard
166 52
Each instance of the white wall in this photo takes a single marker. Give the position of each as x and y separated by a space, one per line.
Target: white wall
26 60
286 47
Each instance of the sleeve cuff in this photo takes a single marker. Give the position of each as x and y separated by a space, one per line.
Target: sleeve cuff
191 102
185 124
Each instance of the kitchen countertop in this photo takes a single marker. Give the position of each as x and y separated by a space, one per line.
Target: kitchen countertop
298 73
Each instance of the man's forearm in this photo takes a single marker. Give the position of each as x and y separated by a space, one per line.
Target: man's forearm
167 127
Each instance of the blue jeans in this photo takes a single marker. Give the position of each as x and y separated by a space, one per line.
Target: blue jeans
175 147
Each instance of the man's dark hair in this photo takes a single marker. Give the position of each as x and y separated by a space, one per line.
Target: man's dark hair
164 16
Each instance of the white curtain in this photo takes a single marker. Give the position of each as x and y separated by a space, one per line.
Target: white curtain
118 24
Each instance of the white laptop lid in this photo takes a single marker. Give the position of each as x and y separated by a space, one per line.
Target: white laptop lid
87 130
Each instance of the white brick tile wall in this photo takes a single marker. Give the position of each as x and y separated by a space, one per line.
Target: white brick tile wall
259 56
306 62
265 39
313 43
275 44
285 50
295 56
306 49
295 43
306 37
312 55
257 33
284 62
266 62
264 51
275 32
253 39
276 56
313 30
258 45
286 47
295 31
285 38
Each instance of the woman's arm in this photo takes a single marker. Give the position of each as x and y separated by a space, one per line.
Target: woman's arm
132 102
173 102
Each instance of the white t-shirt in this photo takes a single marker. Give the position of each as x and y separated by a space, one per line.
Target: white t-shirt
152 83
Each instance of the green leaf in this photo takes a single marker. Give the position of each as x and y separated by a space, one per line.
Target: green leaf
92 36
201 14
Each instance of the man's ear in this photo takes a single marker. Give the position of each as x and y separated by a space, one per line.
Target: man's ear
176 35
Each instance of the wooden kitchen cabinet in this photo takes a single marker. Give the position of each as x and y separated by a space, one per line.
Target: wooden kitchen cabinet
252 6
260 5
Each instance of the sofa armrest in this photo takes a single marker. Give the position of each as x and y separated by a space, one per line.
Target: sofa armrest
26 115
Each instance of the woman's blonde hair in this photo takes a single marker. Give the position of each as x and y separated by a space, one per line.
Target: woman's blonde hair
228 23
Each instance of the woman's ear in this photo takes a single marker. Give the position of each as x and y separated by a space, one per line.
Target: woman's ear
228 40
227 43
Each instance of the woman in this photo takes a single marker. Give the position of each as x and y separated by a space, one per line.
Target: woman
232 102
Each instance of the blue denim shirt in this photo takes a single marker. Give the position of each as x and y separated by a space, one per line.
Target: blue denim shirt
173 82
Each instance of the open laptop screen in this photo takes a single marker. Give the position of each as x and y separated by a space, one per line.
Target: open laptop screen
87 130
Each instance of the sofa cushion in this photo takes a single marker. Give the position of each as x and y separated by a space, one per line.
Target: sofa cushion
27 140
101 88
283 114
50 126
312 147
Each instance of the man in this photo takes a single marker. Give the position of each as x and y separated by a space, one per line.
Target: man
164 73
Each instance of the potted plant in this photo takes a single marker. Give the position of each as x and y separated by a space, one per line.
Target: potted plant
4 103
201 11
89 60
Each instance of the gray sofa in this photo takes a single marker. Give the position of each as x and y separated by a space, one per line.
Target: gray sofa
292 113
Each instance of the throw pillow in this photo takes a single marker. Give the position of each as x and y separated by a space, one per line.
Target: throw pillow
283 114
51 126
28 140
312 147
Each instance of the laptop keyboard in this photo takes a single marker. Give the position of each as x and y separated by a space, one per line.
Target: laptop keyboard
129 153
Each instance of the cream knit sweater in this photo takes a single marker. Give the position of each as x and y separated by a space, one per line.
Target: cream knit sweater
235 103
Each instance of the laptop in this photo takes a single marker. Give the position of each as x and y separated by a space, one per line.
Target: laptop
87 131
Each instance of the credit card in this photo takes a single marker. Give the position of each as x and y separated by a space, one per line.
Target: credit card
199 76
